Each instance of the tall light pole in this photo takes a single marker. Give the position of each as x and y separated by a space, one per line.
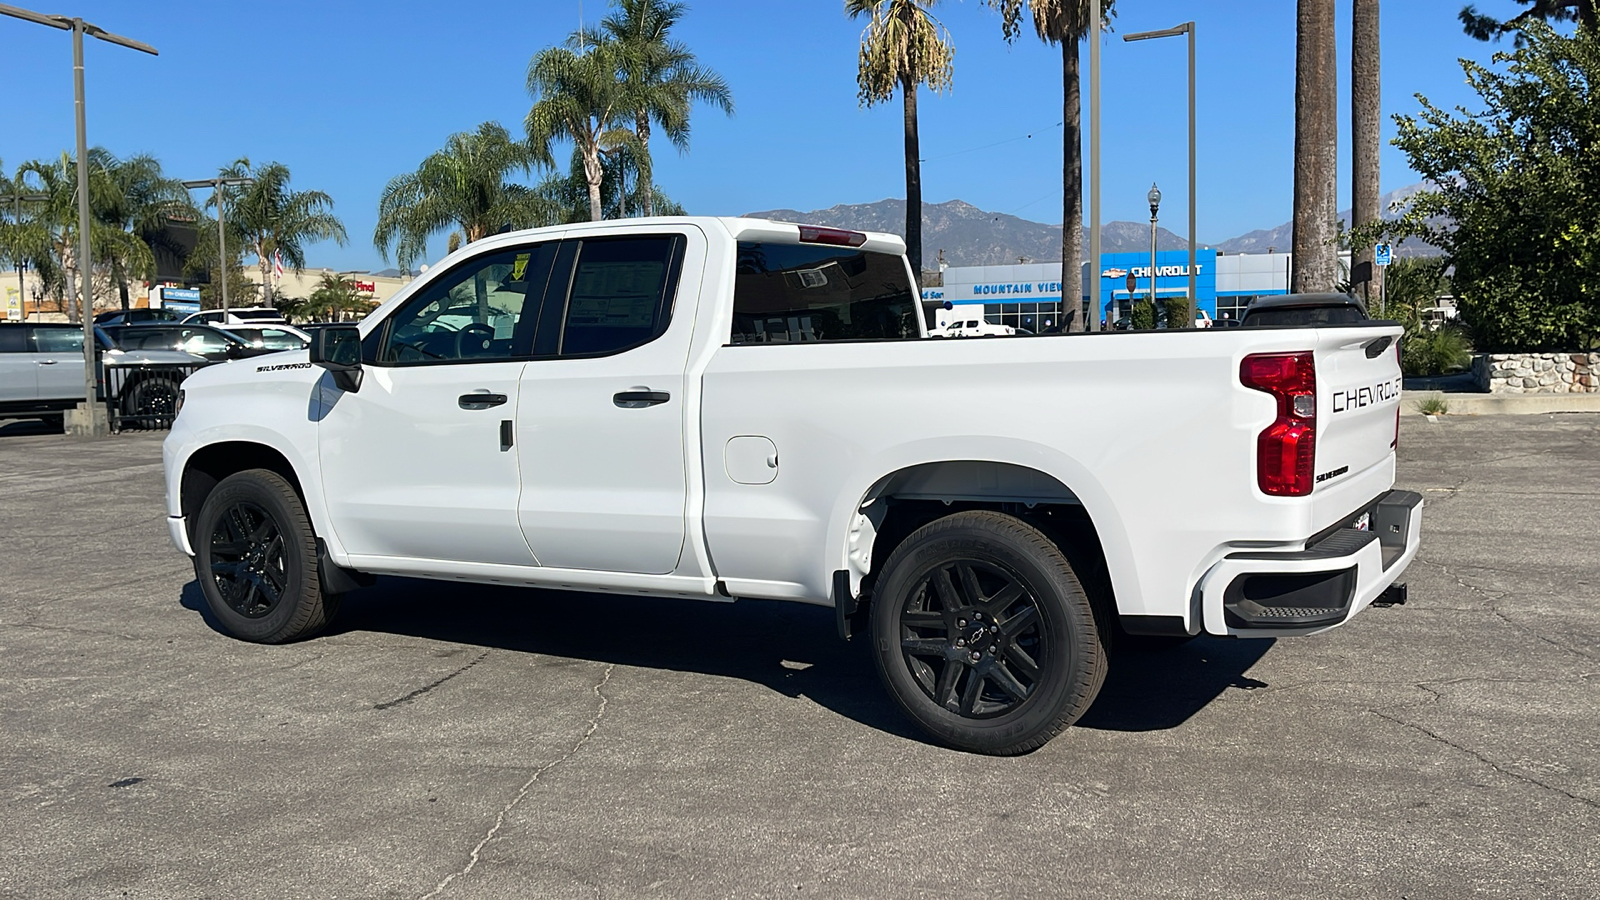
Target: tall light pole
90 425
1096 308
1155 205
216 185
1185 28
16 200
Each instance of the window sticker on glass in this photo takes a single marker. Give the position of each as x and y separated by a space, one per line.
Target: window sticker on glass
615 294
519 267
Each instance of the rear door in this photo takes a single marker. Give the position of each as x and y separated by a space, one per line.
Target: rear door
600 417
19 382
58 357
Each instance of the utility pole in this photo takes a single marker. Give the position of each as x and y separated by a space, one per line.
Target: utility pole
1095 308
216 185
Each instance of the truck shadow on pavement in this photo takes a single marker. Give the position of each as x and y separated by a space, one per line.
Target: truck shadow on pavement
790 648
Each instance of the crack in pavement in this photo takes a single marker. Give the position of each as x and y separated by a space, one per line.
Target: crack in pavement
428 687
1486 760
1491 600
500 820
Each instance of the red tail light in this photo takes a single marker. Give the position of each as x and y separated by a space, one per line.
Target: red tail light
1286 451
813 234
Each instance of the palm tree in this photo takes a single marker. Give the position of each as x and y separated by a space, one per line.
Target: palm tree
569 194
662 78
1366 111
1064 22
903 46
578 96
141 200
1316 146
48 239
271 219
462 187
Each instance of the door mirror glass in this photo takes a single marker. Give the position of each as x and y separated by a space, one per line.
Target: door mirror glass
337 348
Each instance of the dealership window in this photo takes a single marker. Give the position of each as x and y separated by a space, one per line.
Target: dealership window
800 293
1232 307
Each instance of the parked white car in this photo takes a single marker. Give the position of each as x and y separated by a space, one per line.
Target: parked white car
270 337
971 328
737 408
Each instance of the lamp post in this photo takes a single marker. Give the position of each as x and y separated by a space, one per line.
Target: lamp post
90 425
1185 28
1155 205
16 200
216 185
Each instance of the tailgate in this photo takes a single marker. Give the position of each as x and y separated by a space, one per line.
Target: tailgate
1358 405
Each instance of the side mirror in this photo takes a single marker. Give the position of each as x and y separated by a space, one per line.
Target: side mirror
337 348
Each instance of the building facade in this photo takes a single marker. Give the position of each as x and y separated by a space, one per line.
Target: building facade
1028 296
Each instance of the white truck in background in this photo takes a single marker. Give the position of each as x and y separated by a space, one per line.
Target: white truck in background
735 408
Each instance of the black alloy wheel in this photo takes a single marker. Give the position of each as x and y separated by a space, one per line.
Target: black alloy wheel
983 633
971 637
247 560
153 402
256 560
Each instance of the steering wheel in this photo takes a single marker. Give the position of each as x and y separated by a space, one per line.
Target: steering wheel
474 340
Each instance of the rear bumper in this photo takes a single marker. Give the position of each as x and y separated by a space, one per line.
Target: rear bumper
1282 593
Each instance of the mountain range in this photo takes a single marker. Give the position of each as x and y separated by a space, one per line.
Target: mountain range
969 236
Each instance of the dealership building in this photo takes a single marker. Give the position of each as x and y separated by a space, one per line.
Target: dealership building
1028 295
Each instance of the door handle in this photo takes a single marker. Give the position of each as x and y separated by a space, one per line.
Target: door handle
639 399
480 401
47 362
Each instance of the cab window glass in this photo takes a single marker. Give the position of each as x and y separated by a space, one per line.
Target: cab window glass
278 339
621 294
200 343
11 339
483 310
789 293
58 340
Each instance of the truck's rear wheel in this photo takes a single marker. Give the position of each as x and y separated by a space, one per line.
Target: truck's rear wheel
256 560
984 635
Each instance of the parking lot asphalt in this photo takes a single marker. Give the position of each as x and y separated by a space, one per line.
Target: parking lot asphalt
457 741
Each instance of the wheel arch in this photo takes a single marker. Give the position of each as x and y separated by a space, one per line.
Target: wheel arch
210 464
1035 483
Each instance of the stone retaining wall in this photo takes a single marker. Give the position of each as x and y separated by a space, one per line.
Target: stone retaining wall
1537 373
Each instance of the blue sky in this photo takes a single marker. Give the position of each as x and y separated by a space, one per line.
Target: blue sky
350 94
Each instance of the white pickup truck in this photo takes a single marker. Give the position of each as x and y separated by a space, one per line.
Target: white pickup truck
736 408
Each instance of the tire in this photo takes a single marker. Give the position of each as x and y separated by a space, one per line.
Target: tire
983 634
256 560
154 400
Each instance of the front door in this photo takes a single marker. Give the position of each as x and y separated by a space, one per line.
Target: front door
420 462
58 362
19 378
601 411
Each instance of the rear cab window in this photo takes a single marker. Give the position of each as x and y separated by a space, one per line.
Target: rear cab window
803 293
12 339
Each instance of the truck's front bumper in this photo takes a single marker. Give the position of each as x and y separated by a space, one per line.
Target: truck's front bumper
1280 593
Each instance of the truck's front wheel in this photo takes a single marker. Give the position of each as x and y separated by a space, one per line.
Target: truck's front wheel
984 634
256 560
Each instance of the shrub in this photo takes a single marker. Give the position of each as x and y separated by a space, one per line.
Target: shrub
1433 405
1143 317
1435 351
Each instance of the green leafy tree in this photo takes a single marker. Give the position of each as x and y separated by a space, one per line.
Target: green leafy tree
465 188
1516 192
141 200
1486 28
662 80
569 194
580 96
268 217
902 48
47 238
1065 23
333 298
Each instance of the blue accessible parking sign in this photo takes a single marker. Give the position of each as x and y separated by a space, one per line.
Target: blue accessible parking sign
1381 255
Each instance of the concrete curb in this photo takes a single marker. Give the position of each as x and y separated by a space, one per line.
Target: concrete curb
1502 404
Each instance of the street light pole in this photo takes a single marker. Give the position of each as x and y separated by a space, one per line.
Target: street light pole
1189 29
90 424
216 185
1155 204
1096 308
